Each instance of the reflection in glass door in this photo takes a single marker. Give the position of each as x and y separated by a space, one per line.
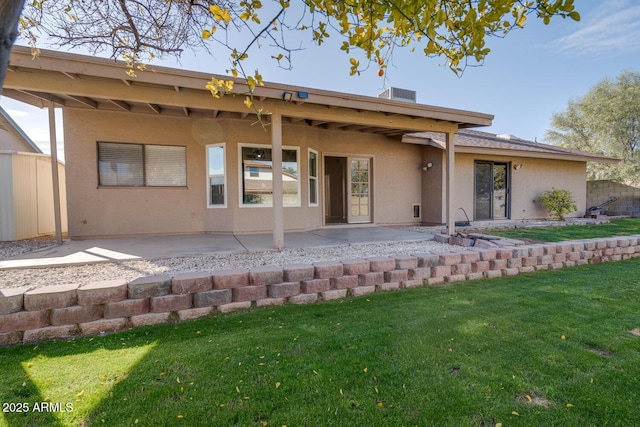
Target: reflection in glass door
359 195
491 190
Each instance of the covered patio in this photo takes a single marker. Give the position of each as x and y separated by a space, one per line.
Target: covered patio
75 83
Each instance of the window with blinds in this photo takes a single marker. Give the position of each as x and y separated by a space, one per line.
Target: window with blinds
138 165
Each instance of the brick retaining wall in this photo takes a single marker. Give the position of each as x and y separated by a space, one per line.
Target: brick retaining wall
63 311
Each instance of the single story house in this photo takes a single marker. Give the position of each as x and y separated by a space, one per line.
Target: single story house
26 188
157 154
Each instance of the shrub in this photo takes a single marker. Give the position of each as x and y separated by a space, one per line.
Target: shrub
557 202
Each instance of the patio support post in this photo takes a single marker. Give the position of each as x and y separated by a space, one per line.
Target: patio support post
54 172
450 171
276 174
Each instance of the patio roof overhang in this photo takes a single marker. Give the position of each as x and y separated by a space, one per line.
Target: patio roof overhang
79 81
58 79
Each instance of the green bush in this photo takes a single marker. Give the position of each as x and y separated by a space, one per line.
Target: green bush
557 202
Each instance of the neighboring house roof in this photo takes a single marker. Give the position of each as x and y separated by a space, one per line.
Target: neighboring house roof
7 124
477 142
81 81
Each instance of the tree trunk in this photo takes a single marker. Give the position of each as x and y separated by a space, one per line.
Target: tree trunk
9 20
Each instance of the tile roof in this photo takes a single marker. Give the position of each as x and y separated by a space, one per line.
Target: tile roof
467 140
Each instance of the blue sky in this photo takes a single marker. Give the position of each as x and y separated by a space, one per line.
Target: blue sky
528 75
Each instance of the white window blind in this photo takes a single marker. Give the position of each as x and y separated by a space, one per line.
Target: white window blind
120 164
165 165
137 165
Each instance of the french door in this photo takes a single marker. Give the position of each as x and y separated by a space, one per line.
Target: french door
359 185
492 190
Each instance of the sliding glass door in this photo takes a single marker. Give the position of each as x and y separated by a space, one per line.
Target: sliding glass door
491 190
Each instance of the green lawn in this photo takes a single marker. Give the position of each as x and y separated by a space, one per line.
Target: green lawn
617 227
554 348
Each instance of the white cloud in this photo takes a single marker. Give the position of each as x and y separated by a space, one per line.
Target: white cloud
614 26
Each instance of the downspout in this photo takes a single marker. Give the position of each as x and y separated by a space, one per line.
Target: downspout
54 172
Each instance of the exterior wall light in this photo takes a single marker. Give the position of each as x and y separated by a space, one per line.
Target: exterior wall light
518 166
287 96
427 166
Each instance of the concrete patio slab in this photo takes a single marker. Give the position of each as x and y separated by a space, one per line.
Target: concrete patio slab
76 252
355 235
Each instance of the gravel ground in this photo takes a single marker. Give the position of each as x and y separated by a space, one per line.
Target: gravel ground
11 249
129 270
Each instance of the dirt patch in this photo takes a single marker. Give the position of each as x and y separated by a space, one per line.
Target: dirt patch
600 352
535 400
635 331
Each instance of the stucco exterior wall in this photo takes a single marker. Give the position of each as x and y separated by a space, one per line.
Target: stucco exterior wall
535 176
103 211
433 184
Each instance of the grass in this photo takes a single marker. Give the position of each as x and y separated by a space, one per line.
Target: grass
552 348
616 227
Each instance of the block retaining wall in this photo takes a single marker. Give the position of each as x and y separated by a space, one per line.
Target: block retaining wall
64 311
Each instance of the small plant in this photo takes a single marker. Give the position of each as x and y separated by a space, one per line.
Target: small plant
557 202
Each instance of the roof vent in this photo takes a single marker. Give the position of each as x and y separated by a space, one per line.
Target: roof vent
398 94
506 136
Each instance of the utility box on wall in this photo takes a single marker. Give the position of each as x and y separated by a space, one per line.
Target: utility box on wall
26 196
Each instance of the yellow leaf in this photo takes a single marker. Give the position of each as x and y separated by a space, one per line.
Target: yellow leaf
528 398
278 384
80 394
380 405
563 338
569 405
515 413
249 104
234 73
206 34
365 370
215 10
237 389
180 417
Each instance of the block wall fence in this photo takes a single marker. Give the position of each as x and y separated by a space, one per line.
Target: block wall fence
64 311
